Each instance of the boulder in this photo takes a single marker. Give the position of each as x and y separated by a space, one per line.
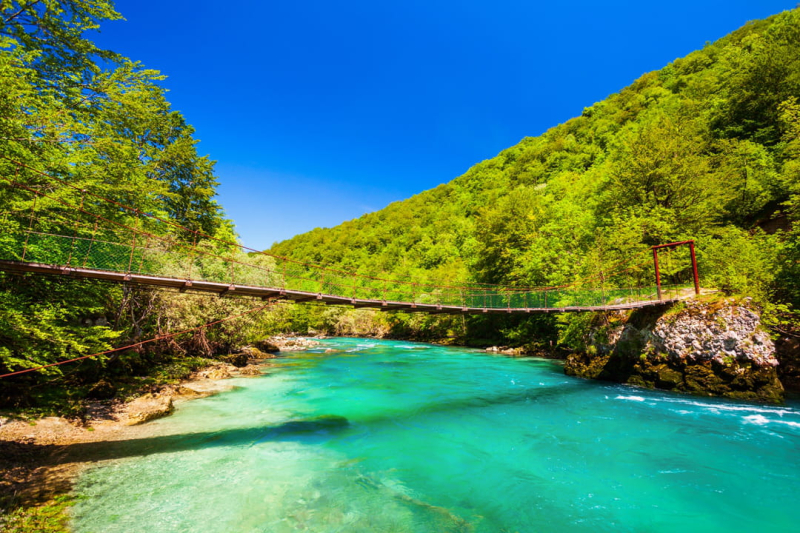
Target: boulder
217 372
239 360
148 407
256 354
188 392
293 344
266 346
250 370
716 348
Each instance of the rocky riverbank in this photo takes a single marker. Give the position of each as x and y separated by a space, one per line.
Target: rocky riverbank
36 458
712 347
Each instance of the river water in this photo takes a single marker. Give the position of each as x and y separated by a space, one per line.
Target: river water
388 436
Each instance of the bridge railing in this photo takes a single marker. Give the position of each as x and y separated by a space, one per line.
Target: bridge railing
36 227
179 261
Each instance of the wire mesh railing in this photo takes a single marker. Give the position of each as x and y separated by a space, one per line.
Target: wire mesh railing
67 228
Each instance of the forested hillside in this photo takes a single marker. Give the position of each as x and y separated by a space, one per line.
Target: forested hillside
707 148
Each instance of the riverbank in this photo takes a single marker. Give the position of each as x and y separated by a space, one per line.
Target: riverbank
38 459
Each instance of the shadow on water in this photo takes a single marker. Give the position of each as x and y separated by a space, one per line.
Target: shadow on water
309 430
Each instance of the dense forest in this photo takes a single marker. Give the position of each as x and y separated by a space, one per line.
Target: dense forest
708 148
101 123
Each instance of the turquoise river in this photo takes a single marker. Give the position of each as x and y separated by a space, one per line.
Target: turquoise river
388 436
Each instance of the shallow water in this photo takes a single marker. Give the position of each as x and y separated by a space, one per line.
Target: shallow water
400 437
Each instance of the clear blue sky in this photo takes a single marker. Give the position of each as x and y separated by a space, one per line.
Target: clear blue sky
318 111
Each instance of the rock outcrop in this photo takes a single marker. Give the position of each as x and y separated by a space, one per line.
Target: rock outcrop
712 348
250 370
238 360
146 408
788 349
222 371
266 346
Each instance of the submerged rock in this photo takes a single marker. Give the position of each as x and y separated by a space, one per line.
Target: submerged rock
717 349
311 425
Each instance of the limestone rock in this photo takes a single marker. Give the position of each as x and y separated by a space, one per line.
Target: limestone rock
266 346
239 360
256 354
148 407
293 344
250 370
217 372
505 350
711 348
187 392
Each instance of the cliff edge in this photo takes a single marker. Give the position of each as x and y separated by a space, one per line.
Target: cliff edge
713 348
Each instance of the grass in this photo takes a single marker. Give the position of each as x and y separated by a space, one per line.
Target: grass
50 517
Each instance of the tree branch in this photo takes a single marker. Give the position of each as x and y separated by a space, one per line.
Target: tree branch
21 11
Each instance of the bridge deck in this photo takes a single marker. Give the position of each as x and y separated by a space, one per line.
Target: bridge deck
223 289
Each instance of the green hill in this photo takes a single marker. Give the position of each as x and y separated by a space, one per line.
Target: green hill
705 148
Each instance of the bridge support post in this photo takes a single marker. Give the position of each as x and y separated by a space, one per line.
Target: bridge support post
658 273
694 264
694 269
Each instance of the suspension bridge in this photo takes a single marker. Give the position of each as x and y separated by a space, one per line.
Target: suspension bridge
49 226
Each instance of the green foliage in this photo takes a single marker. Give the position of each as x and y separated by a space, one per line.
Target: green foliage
741 262
574 330
40 322
708 148
102 123
51 517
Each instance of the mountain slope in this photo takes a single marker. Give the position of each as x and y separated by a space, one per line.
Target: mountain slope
705 148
